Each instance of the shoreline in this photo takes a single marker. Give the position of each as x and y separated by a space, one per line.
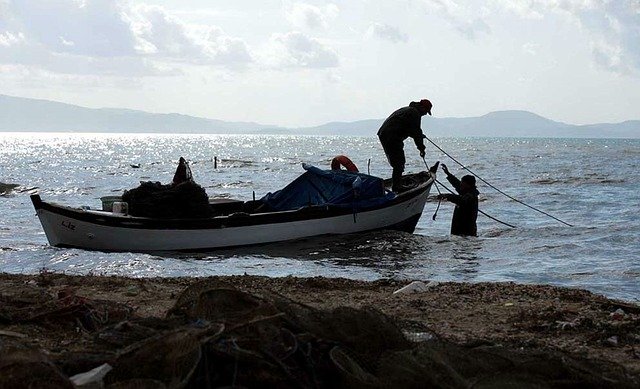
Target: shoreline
539 318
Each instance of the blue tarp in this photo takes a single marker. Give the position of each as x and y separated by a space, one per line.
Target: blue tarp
329 187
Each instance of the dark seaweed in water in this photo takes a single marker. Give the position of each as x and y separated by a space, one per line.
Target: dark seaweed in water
174 201
7 188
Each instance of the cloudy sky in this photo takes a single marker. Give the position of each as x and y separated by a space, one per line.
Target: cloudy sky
307 62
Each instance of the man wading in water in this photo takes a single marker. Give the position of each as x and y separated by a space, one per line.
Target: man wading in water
466 201
402 124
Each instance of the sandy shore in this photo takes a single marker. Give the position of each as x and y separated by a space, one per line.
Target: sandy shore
533 317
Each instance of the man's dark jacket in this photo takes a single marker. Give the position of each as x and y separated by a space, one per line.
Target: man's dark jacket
466 211
403 123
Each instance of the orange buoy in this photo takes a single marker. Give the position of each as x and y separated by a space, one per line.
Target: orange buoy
343 160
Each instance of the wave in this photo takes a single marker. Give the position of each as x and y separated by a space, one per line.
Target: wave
496 232
233 184
582 180
234 163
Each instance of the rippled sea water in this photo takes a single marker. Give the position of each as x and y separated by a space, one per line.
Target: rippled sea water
593 184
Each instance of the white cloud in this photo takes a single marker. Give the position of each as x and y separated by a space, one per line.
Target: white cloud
307 16
26 77
160 34
33 55
616 29
10 39
97 28
295 49
613 25
386 32
228 50
530 48
461 16
109 37
524 9
4 14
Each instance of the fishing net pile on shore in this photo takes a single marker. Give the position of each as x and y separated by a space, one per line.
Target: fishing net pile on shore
218 336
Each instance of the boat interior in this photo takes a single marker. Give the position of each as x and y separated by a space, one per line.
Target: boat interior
237 208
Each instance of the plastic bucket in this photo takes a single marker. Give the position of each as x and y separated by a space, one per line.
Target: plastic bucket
120 207
107 202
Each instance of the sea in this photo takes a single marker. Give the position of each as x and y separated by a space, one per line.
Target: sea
592 184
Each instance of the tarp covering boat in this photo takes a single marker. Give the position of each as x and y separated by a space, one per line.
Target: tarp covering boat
329 187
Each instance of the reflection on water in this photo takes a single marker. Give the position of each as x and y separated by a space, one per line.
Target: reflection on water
387 253
467 252
591 183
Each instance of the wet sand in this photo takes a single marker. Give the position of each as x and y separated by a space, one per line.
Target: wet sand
533 317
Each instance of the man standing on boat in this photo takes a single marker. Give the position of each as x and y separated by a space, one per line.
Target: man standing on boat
466 201
403 123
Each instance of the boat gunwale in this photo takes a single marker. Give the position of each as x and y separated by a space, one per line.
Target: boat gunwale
227 221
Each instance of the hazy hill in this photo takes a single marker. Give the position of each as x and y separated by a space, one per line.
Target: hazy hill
498 124
20 114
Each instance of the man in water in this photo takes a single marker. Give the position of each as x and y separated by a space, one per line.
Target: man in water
466 201
402 124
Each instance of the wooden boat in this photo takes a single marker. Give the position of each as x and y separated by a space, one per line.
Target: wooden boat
238 223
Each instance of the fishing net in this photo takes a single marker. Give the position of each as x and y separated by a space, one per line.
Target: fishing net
270 340
182 199
23 366
220 336
168 357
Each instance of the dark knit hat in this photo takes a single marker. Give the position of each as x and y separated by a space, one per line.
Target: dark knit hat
471 180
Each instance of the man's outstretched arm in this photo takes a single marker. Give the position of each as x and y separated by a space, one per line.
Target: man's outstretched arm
451 178
459 200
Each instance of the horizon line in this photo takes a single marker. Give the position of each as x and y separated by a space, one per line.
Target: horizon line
61 133
304 126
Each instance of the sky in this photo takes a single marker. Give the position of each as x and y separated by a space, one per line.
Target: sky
303 63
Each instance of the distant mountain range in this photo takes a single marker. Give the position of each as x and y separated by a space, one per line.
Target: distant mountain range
19 114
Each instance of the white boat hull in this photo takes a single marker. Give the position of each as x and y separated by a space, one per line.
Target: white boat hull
97 230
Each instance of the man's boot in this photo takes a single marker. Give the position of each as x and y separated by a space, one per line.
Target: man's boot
396 179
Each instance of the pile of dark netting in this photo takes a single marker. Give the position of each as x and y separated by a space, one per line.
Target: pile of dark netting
185 200
220 337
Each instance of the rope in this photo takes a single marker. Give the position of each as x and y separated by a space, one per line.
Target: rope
493 218
479 210
439 201
498 190
436 184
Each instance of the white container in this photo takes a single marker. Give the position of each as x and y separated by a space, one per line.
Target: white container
107 202
92 378
120 207
416 286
